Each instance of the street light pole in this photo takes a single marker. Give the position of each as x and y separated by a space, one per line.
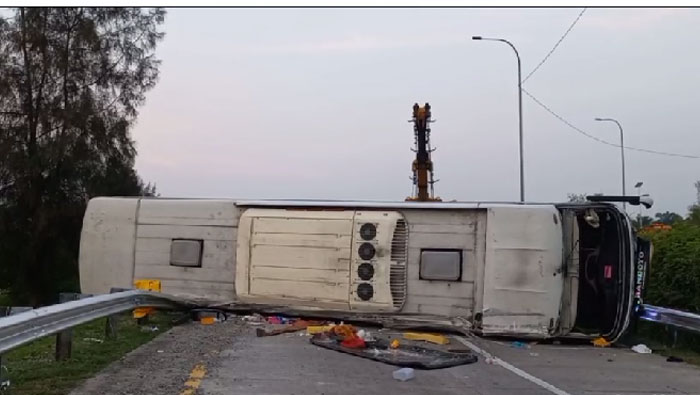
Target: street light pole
622 153
639 194
520 112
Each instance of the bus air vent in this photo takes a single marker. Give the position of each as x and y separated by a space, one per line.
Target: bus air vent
397 271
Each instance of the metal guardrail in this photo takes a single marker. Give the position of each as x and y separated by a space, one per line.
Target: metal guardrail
22 328
677 318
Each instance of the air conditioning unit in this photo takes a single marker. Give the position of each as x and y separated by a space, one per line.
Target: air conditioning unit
378 262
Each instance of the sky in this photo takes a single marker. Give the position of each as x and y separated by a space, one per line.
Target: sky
315 103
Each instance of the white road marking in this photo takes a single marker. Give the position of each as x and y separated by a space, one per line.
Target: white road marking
527 376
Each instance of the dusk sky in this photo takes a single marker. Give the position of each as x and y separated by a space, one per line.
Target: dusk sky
315 103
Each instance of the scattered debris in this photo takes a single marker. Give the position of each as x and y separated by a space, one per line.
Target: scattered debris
92 339
207 320
365 335
674 359
428 337
395 343
404 374
381 350
295 326
160 351
490 361
517 344
255 319
641 349
314 329
278 320
4 385
600 342
534 354
149 328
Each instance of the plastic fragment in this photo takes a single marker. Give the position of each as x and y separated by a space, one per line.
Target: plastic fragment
314 329
207 320
394 343
353 342
641 349
428 337
365 335
404 374
519 345
600 342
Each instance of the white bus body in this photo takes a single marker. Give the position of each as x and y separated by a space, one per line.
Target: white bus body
535 270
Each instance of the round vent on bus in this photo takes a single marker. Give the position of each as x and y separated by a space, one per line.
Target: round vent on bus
365 291
366 251
368 231
365 271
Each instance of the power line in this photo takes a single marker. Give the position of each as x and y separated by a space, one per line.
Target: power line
590 136
574 127
555 46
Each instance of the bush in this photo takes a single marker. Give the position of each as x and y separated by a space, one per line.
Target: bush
674 277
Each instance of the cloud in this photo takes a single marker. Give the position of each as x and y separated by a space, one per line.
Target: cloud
630 19
358 43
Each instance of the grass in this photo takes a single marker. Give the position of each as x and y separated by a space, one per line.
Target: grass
33 370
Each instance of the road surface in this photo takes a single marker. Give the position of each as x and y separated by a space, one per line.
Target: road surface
227 358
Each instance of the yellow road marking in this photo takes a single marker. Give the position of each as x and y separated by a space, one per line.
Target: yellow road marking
195 380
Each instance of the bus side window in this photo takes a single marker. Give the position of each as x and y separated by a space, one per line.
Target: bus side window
186 253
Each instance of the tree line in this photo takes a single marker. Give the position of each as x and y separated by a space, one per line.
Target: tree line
71 83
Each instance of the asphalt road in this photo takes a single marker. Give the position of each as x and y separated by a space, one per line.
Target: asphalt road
227 358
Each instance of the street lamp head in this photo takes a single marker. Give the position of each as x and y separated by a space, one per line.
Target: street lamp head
598 119
639 184
476 37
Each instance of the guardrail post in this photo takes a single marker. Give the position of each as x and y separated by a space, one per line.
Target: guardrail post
4 312
111 322
64 339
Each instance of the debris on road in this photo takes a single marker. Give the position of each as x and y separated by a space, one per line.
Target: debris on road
600 342
294 326
365 335
207 320
674 359
255 319
314 329
641 349
403 374
428 337
381 350
278 320
395 343
153 328
517 344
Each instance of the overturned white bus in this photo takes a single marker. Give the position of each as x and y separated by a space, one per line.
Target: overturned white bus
532 270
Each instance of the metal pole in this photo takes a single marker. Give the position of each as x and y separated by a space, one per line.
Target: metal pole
622 155
520 113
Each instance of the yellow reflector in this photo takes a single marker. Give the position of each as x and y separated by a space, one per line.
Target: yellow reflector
147 285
